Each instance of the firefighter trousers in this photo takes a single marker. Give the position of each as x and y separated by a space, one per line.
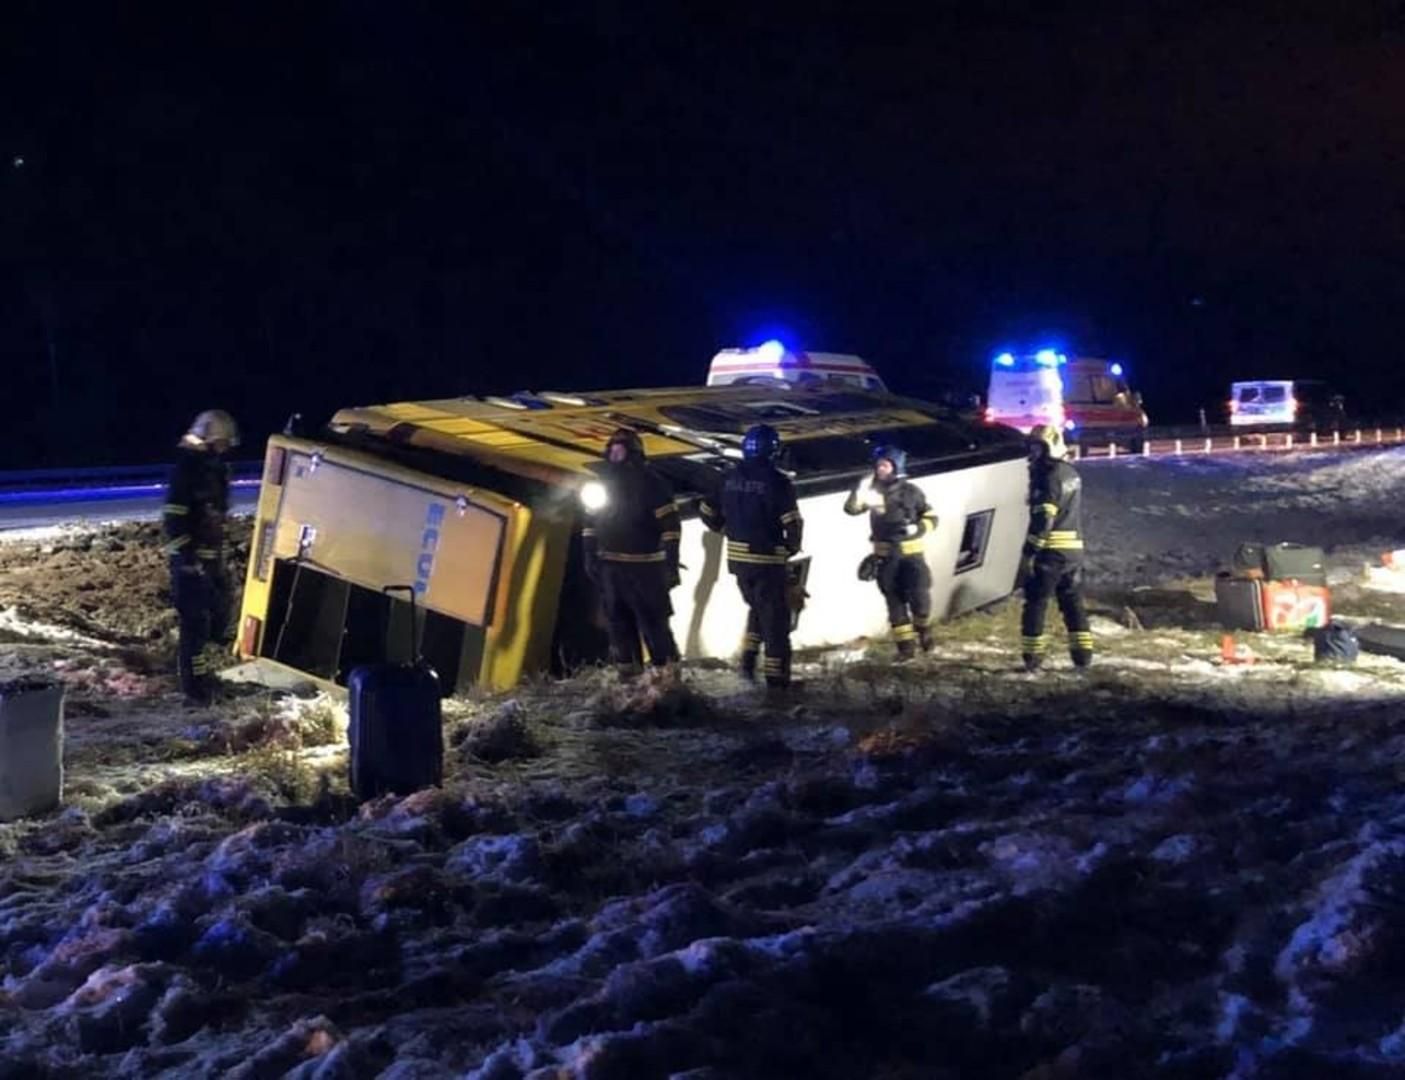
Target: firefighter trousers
765 590
906 584
637 608
201 595
1058 576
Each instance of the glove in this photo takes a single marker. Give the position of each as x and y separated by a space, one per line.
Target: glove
912 530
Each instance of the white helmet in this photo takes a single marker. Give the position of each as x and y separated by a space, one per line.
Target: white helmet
213 428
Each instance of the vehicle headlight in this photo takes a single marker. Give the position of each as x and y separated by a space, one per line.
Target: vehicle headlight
593 495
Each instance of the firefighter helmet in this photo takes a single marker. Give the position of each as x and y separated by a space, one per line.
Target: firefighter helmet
1049 440
898 457
629 438
761 443
213 428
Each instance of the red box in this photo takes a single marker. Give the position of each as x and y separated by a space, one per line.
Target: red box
1291 606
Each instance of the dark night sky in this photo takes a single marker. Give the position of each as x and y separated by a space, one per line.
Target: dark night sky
344 203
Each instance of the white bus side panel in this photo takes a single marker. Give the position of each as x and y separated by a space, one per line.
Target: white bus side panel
710 617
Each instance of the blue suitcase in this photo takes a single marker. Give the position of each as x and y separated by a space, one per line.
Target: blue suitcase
397 727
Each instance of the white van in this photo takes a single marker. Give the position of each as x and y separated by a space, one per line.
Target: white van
1303 403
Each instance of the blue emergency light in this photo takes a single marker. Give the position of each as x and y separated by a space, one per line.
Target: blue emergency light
771 352
1005 360
1116 369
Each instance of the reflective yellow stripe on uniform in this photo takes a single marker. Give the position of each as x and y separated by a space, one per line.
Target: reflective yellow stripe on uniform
1057 540
904 632
175 509
751 642
914 545
176 544
664 510
1037 644
1082 639
587 532
206 553
789 516
631 557
739 551
1051 509
666 537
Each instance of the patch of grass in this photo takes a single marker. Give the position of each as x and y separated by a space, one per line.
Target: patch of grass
658 700
320 722
284 772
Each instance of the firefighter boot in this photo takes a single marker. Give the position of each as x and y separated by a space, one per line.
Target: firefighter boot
1032 649
747 667
905 638
777 672
925 637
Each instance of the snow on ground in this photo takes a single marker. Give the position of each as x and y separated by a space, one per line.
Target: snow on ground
1183 517
1168 867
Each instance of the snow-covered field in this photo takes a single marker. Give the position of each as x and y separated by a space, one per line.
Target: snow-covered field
1169 867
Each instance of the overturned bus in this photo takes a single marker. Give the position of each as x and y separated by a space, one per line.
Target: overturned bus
475 503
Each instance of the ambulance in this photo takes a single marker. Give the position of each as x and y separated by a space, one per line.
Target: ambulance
773 363
476 503
1089 398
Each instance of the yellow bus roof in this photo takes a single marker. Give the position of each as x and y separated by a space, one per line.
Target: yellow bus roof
568 430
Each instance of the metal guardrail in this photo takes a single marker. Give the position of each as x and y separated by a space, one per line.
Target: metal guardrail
1159 443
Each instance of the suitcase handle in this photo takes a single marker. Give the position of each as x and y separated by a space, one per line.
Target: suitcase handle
414 636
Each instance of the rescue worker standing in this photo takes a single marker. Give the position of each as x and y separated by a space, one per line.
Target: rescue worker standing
630 542
1053 551
759 516
197 500
899 520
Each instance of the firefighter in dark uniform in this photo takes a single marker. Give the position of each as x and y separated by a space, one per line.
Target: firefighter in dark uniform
899 520
758 513
630 542
1053 552
197 500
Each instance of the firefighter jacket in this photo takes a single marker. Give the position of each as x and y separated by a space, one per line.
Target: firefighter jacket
197 499
899 518
757 510
1055 508
638 523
